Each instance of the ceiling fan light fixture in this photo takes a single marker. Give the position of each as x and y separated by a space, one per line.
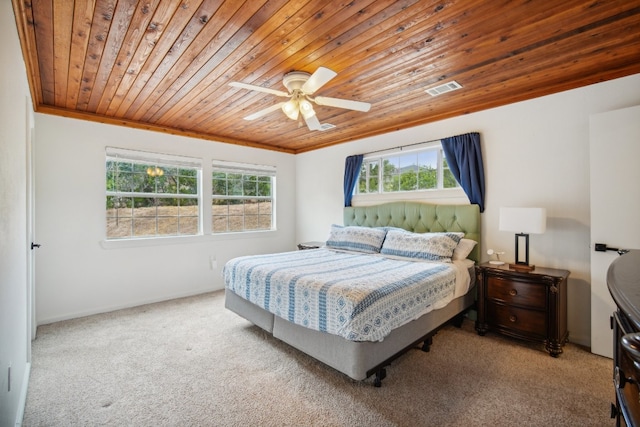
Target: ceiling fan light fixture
306 109
290 108
300 86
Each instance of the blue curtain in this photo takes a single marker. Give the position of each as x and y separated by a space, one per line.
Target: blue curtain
352 167
465 161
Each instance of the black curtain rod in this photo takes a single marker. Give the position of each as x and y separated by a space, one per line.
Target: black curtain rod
400 147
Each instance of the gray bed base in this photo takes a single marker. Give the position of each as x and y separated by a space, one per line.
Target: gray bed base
360 360
356 359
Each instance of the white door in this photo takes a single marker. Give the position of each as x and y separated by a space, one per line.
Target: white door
31 256
614 139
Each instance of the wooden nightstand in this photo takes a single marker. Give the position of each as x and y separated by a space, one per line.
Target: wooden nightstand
530 305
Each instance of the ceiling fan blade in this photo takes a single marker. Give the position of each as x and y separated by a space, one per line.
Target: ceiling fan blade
265 111
318 79
342 103
312 122
258 88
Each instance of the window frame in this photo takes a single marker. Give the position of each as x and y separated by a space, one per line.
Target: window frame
157 161
438 193
243 169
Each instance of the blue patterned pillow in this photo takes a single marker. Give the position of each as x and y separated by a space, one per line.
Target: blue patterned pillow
425 246
354 238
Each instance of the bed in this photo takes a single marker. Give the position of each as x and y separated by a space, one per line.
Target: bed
276 291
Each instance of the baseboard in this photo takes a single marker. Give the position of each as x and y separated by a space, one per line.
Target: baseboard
23 395
584 341
143 301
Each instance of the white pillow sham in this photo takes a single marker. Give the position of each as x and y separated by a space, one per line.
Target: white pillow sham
355 238
424 246
463 249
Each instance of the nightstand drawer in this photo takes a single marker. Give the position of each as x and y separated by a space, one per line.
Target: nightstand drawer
516 292
530 322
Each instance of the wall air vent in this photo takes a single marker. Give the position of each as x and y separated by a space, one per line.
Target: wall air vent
444 88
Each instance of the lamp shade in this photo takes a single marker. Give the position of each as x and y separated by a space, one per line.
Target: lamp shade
291 109
523 220
306 109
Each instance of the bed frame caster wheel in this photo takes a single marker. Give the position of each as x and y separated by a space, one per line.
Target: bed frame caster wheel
458 320
426 346
380 375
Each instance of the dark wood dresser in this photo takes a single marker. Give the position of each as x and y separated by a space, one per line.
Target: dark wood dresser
530 305
623 280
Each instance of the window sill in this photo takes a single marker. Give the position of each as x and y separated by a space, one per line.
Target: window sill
453 195
182 240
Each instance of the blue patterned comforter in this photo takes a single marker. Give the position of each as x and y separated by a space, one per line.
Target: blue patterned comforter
357 296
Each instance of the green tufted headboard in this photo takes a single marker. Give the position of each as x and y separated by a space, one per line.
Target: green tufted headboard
420 218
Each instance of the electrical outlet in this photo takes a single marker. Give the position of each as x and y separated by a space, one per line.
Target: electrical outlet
213 263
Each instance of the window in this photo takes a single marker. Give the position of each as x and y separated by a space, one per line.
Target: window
242 197
417 170
152 195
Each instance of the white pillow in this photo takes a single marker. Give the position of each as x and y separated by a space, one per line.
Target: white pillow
355 238
425 246
463 249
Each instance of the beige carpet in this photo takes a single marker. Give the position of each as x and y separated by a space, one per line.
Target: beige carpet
190 362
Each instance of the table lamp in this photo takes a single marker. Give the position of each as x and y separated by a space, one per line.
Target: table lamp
523 221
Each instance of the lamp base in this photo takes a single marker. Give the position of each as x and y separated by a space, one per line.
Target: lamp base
522 267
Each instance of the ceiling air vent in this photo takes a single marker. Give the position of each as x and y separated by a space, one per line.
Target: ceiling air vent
444 88
326 126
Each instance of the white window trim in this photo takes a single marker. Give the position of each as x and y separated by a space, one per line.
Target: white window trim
243 167
139 242
447 195
149 156
207 234
444 196
160 159
247 168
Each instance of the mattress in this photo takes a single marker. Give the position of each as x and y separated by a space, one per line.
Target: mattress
360 297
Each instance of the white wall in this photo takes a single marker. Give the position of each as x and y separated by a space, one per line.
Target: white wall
77 274
15 120
536 153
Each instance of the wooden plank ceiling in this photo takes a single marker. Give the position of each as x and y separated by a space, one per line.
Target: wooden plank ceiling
166 65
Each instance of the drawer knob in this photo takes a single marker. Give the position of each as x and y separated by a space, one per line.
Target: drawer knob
620 379
513 292
512 318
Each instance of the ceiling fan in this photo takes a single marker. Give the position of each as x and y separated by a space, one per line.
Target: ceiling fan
301 86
